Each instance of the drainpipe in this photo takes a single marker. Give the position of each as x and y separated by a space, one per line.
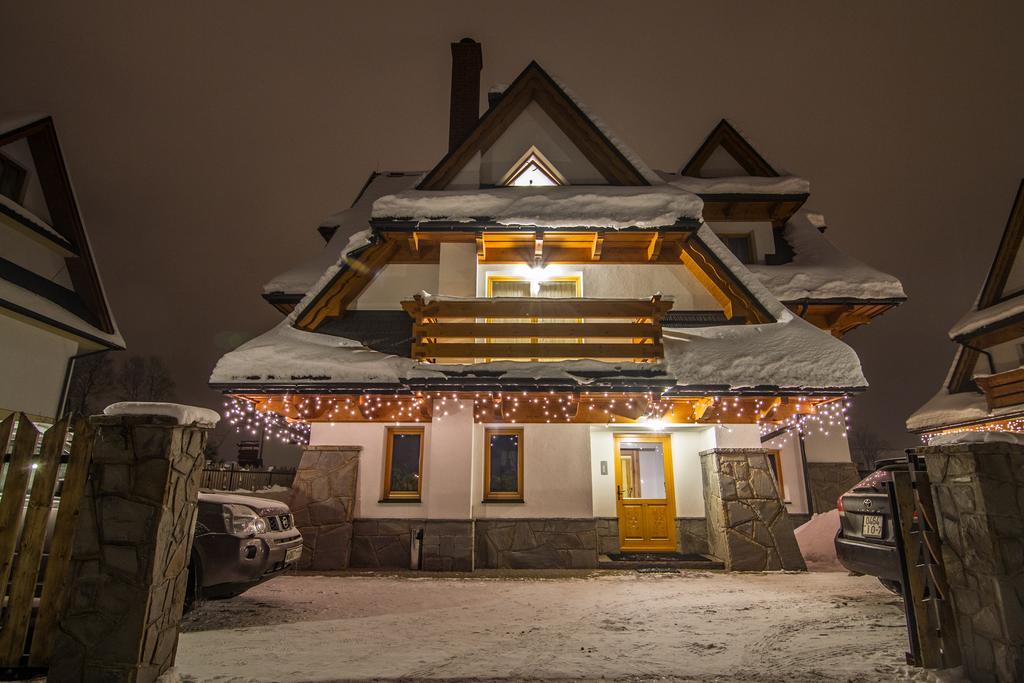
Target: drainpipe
807 474
987 354
61 404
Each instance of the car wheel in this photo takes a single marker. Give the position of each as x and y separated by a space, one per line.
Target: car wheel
893 586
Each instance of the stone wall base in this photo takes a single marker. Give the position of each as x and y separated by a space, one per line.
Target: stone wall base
536 543
828 481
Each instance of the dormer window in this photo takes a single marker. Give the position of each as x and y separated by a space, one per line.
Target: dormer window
12 179
533 170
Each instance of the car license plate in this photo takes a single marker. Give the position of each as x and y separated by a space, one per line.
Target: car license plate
872 526
293 555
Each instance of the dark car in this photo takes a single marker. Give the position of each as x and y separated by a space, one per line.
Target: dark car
865 543
240 541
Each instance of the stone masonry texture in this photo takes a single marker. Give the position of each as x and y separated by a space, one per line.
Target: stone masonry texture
548 543
828 481
748 527
129 563
387 544
978 490
323 504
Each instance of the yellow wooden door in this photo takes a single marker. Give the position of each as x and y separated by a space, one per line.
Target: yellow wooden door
644 491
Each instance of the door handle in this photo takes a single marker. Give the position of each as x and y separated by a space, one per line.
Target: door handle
618 492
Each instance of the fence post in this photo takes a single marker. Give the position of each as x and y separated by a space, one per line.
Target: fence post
129 561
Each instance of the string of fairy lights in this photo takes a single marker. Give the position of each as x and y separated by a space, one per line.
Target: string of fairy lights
291 424
1014 425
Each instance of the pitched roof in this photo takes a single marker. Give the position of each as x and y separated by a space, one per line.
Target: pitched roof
725 136
82 311
615 162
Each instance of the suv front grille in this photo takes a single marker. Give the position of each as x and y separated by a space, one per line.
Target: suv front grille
279 522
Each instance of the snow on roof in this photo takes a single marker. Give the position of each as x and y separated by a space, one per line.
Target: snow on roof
30 217
299 279
946 410
976 319
185 415
61 317
755 185
819 270
790 354
597 206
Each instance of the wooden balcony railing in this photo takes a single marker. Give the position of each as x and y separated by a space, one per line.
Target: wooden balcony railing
1003 389
471 330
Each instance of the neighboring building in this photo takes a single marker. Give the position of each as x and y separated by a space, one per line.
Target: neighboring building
52 305
535 340
984 390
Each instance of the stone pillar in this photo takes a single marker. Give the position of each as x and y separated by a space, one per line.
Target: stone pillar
979 503
323 504
829 480
748 527
129 563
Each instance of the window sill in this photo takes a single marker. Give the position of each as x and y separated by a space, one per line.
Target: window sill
400 500
488 501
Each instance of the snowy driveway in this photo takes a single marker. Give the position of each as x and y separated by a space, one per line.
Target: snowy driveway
689 626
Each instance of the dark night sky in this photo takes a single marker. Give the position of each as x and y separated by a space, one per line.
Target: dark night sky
207 140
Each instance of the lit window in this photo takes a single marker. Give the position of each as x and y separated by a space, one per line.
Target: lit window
403 467
533 170
503 465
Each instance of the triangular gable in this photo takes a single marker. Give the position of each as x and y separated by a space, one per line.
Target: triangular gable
1006 276
64 227
532 167
535 85
725 139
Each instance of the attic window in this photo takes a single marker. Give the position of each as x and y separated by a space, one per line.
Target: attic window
533 170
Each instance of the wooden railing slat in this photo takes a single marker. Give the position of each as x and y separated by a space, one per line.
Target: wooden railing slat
30 548
455 330
537 308
59 558
13 502
540 350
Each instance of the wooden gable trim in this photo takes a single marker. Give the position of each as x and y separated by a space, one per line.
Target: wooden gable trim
993 291
722 283
962 377
724 135
535 85
64 214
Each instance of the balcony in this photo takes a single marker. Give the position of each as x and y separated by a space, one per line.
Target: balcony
1003 389
465 330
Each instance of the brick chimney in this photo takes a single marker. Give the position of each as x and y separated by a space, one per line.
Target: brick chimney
467 60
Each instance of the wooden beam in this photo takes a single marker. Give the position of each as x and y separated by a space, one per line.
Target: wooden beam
515 307
481 247
539 350
595 249
538 247
347 285
414 242
654 248
505 330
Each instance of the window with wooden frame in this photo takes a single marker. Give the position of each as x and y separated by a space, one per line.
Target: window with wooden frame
775 464
741 245
560 286
12 179
503 465
533 170
403 464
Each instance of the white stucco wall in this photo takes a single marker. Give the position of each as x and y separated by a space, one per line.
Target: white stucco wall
397 282
32 367
32 254
556 473
33 200
831 447
1005 356
457 276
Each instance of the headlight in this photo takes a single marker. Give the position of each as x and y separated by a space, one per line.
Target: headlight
242 521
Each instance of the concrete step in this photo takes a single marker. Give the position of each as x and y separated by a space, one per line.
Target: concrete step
605 562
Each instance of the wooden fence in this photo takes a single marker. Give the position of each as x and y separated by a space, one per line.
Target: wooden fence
34 561
233 479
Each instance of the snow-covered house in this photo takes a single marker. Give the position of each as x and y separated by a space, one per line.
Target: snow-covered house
536 339
52 305
984 389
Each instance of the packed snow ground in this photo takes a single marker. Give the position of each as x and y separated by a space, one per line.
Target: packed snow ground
531 626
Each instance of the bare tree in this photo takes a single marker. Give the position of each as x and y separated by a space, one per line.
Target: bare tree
144 379
866 447
91 383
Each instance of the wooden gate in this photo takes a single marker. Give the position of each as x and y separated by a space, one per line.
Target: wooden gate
43 485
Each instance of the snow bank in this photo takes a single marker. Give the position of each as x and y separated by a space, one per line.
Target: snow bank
821 271
816 539
975 320
299 279
603 206
185 415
